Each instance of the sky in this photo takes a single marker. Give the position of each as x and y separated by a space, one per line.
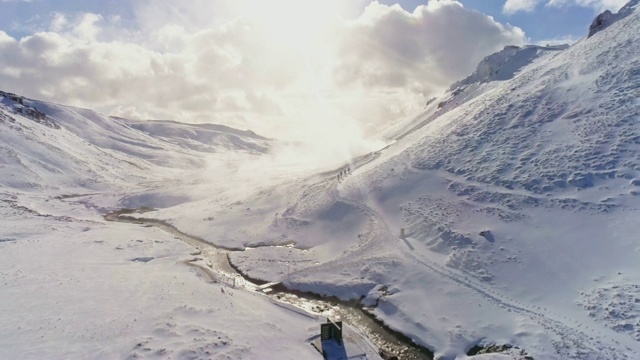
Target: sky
292 69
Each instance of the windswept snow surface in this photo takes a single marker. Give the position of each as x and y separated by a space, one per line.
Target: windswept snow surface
48 146
544 163
518 189
547 165
72 289
607 18
76 286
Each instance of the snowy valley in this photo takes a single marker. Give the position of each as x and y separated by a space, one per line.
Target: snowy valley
505 213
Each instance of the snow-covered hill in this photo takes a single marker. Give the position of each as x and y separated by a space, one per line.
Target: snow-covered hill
504 64
518 191
204 137
46 145
76 286
504 213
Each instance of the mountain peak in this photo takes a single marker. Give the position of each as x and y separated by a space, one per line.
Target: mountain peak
606 18
504 64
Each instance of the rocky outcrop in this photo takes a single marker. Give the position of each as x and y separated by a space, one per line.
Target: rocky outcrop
600 22
607 18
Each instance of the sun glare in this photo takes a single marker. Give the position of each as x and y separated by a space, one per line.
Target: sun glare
296 21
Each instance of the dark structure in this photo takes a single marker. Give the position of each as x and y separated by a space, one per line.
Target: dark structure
332 346
331 331
336 344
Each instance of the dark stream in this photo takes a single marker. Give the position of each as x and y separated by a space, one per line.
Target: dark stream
391 343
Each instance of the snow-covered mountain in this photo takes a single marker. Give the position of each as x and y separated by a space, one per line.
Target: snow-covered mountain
518 192
46 145
503 65
504 213
517 189
607 18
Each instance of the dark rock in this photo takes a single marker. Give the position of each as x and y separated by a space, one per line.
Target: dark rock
600 22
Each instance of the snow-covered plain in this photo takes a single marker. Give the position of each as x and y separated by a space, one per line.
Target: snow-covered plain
72 289
518 191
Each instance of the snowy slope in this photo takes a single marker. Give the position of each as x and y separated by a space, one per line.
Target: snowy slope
607 18
504 64
73 289
48 145
204 137
545 163
76 286
518 192
500 66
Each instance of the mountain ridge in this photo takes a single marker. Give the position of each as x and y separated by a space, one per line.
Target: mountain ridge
43 139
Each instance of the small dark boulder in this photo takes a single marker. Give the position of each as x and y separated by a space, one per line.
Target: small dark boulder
487 235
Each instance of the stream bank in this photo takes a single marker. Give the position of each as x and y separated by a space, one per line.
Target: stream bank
392 344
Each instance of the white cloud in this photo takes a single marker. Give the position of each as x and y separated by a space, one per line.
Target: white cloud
390 48
349 74
403 58
569 40
513 6
598 5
